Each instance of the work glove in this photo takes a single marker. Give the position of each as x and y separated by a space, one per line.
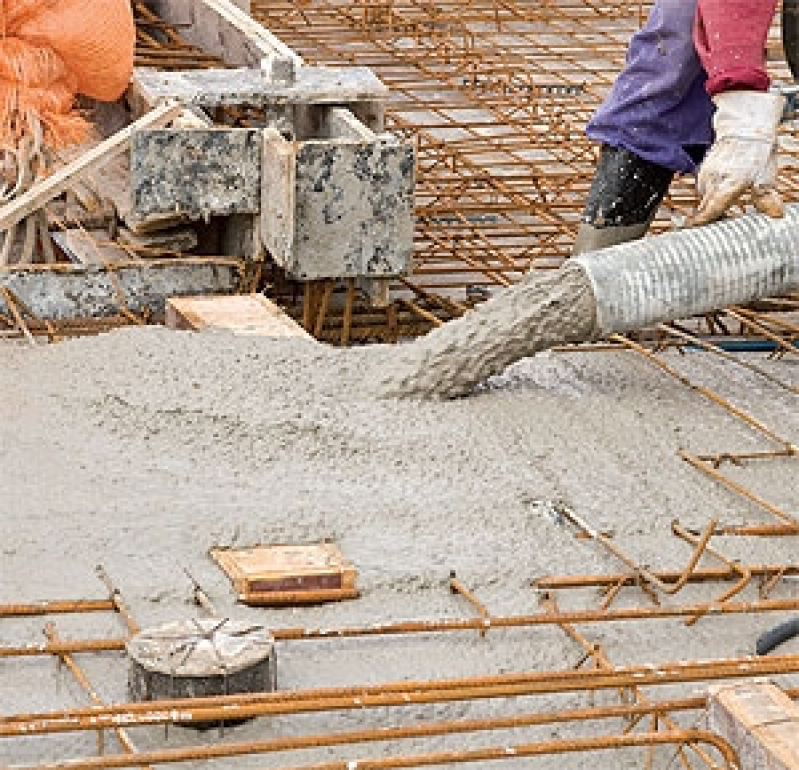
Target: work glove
743 157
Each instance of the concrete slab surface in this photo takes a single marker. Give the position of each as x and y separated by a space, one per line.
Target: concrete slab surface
143 448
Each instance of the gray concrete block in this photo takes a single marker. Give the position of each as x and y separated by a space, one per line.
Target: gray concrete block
57 292
339 208
248 86
196 172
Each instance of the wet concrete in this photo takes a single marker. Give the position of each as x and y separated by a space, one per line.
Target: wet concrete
542 311
143 448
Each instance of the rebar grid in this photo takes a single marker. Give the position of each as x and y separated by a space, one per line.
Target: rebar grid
487 211
497 96
624 679
159 44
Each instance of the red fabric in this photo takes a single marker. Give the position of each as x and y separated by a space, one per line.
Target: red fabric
730 37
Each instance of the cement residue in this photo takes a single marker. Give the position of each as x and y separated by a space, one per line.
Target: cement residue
541 311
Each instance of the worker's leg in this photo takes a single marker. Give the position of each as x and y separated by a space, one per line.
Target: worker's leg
655 121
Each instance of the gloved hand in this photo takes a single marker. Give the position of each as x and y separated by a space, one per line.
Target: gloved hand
743 157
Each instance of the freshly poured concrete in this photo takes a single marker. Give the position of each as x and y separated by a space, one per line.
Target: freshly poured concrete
143 448
541 311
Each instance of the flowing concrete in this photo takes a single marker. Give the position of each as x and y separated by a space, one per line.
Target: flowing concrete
143 448
541 311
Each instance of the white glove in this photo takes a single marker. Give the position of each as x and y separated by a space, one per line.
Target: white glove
743 157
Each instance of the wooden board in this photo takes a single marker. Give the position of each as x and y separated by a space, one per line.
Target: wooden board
760 722
59 181
89 247
288 574
240 313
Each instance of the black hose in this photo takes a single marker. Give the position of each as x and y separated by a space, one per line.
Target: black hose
777 636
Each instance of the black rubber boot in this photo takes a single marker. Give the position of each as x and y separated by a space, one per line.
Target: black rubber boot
624 198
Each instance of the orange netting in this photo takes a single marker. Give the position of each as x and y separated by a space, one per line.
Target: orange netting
51 50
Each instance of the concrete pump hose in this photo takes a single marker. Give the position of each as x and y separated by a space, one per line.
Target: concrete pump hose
658 279
693 271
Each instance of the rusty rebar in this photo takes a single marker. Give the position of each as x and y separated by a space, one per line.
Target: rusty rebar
709 394
670 587
745 576
116 597
448 625
80 677
602 661
702 575
457 586
714 473
394 694
55 608
490 753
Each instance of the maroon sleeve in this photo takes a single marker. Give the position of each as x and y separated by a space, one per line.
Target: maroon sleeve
730 37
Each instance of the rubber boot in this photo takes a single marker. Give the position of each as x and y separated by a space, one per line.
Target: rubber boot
624 198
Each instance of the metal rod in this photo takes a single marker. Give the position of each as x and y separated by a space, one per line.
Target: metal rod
118 601
707 393
55 608
707 574
740 489
745 574
458 587
486 754
669 588
787 604
80 677
394 694
604 663
737 360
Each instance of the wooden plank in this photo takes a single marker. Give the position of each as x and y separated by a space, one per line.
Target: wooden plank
209 88
251 314
342 124
52 186
89 247
278 196
288 574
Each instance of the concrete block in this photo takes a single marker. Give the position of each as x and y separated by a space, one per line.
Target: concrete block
759 721
60 291
257 87
340 207
195 172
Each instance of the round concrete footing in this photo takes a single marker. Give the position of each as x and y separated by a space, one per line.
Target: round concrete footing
201 658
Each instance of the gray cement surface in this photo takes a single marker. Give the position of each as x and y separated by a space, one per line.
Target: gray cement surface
142 448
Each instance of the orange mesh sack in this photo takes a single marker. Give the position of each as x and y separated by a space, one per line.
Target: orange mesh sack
52 49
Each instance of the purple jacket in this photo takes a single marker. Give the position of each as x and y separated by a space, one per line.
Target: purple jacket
660 107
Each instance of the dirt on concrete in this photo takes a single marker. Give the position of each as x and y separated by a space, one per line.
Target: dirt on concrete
542 311
143 448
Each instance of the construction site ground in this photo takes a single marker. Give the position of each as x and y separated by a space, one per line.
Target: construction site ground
142 448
